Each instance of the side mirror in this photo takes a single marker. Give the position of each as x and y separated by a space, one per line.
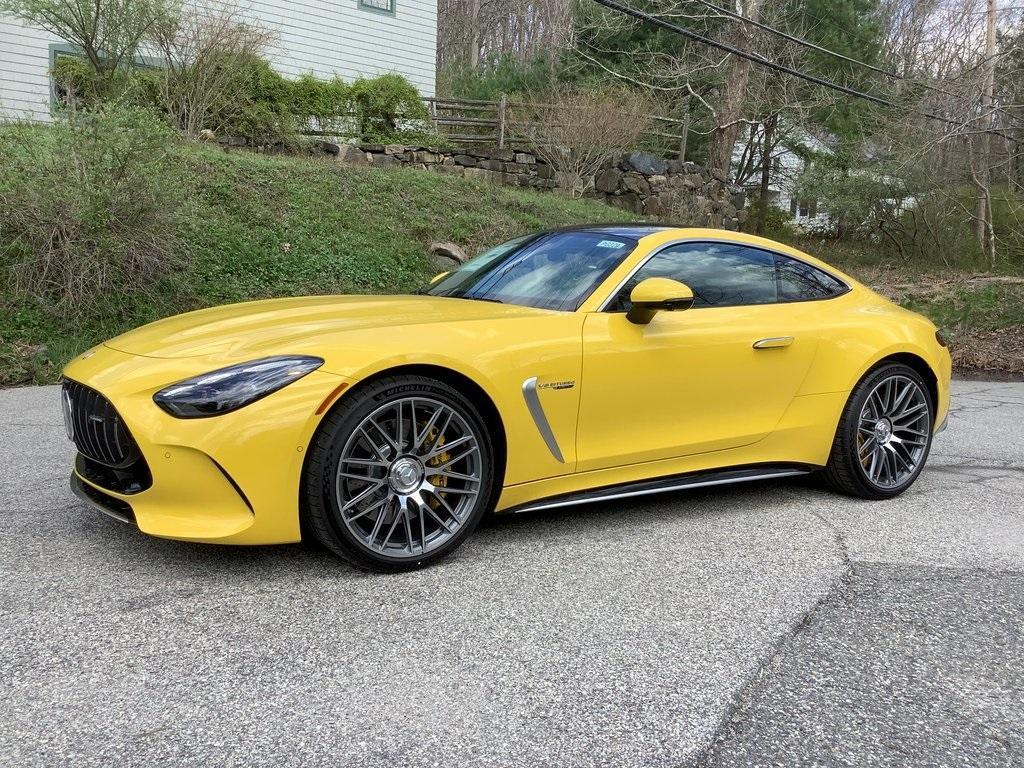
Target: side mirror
657 294
438 278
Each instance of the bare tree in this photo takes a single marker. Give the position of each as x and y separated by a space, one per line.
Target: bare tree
109 32
731 95
577 131
720 85
203 49
949 52
473 31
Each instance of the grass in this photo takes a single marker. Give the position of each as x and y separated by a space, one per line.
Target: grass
258 226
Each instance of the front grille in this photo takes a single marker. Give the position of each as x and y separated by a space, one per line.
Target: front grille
96 428
134 478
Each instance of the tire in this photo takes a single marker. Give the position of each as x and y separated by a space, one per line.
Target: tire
884 435
394 497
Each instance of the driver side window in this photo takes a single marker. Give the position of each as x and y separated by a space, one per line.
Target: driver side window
720 275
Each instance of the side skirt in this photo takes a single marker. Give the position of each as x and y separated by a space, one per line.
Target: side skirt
665 485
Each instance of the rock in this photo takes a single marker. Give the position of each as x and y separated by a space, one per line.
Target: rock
476 173
525 159
449 250
372 147
653 206
394 149
675 166
739 200
634 182
516 168
453 170
384 161
465 160
657 182
425 156
327 147
645 163
730 224
545 171
608 180
629 202
490 164
505 155
351 154
693 181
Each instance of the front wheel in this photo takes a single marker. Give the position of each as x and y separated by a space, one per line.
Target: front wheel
399 474
884 435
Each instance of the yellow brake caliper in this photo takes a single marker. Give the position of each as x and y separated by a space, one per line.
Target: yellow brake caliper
438 481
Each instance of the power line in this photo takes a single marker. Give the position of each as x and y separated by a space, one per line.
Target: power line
798 40
758 59
814 46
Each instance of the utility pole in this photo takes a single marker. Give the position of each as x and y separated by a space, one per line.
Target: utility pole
983 226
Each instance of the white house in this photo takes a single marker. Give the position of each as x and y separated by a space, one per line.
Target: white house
348 38
786 167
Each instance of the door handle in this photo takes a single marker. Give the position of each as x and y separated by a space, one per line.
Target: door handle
775 342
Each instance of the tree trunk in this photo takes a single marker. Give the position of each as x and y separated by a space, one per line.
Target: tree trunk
732 98
983 228
767 142
474 33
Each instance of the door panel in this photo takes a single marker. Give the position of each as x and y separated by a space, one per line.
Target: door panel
688 382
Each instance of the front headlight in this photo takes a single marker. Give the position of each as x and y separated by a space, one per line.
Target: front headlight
229 389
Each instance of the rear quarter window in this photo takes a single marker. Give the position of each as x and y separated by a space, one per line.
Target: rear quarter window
798 281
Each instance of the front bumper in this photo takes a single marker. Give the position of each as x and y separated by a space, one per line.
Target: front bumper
231 479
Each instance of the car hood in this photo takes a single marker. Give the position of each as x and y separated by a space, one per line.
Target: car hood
297 325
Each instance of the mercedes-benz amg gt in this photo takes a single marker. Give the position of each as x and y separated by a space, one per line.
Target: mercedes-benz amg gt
563 367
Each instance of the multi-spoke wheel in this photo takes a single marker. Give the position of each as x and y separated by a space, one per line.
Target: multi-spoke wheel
399 474
884 435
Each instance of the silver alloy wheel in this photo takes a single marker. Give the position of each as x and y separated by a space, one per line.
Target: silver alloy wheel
893 431
408 477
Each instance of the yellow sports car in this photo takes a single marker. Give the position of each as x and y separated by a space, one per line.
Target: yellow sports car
564 367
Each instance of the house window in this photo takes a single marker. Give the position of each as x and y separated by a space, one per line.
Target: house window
803 209
380 6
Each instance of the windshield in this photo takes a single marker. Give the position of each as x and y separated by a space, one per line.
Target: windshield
553 270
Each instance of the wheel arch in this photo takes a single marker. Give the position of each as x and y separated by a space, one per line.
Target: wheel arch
456 379
922 367
911 360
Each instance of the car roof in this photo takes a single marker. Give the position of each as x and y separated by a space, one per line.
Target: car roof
632 229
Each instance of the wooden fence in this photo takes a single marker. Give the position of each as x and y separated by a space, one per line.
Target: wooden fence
505 122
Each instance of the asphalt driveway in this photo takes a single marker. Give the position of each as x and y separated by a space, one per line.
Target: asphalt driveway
771 624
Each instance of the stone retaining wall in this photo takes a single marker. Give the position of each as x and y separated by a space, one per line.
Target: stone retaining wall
636 182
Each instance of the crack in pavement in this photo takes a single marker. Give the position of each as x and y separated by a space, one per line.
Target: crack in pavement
798 625
848 690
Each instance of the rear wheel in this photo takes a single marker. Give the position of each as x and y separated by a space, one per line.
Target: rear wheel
884 435
399 474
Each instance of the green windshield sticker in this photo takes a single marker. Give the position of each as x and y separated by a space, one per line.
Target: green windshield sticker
610 244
